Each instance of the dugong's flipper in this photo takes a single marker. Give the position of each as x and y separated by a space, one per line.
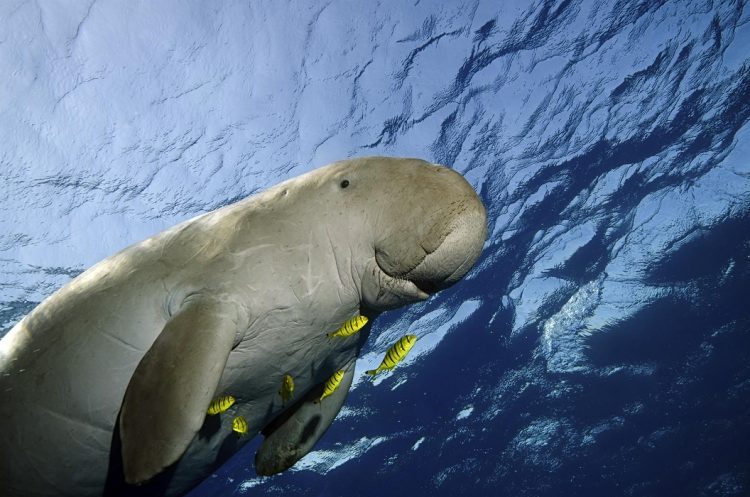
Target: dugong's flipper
167 397
293 436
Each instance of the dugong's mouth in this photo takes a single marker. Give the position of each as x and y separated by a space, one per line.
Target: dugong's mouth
452 259
382 289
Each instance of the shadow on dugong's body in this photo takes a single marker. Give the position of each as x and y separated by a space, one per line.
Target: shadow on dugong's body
104 387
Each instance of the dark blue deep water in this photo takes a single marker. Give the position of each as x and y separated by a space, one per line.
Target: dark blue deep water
600 347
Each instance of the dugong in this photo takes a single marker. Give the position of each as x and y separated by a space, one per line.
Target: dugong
104 387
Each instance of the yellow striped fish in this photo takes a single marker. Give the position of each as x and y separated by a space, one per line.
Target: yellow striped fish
332 384
220 404
395 354
287 388
350 327
239 426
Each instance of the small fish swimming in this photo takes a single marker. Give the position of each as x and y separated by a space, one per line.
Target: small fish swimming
239 426
220 404
331 385
287 388
350 327
395 354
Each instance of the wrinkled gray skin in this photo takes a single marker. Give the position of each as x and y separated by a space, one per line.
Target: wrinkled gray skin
226 303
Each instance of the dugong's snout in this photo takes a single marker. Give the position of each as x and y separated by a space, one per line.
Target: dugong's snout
463 236
437 231
455 255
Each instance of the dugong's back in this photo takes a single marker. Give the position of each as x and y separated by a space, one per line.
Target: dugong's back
58 414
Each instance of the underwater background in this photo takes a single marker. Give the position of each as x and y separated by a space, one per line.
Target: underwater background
601 345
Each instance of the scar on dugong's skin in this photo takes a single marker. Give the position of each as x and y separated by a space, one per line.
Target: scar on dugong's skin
106 383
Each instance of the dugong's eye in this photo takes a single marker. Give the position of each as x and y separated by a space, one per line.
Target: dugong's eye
345 183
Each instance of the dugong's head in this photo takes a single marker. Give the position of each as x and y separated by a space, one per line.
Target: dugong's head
422 226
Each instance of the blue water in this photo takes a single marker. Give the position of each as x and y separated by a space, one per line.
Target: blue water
601 346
